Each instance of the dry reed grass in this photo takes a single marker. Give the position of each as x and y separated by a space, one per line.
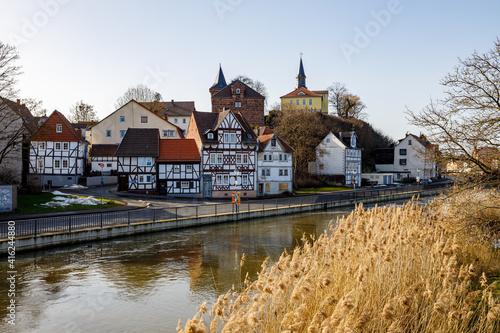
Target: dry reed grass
388 269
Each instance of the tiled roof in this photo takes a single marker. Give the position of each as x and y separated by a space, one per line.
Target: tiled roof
264 140
345 138
263 130
172 108
306 92
178 150
103 150
139 142
248 92
47 132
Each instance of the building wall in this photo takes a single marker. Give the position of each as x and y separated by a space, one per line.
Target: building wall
278 181
175 178
251 109
181 121
415 158
132 113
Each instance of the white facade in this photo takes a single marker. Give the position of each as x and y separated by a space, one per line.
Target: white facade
112 129
334 157
181 121
275 168
411 156
62 163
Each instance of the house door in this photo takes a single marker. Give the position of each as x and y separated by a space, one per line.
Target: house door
261 189
385 180
122 183
162 187
207 186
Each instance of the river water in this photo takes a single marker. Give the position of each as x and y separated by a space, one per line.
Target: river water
144 283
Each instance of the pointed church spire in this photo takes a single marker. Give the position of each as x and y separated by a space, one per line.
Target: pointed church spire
301 76
220 81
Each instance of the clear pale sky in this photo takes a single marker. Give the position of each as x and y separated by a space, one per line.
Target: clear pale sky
391 54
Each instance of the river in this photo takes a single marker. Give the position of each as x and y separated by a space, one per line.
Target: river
144 283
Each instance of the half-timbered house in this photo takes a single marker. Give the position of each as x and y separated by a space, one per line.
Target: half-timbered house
179 168
58 153
137 154
275 164
228 149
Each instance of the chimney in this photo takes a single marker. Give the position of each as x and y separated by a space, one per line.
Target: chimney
18 103
172 102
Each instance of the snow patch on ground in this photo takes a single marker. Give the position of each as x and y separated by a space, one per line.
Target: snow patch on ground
66 201
75 186
59 193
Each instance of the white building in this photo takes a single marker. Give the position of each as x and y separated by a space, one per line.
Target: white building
274 164
58 153
339 155
413 156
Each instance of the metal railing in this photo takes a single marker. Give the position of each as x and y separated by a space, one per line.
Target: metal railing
79 222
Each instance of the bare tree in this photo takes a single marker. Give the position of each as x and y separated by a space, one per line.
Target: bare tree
36 108
468 119
345 104
256 85
82 112
140 93
9 71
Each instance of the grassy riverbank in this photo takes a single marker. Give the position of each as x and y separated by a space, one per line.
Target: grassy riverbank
390 269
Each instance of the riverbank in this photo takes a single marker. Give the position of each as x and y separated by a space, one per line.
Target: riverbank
38 234
395 269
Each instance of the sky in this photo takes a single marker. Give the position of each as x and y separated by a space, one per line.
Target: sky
391 53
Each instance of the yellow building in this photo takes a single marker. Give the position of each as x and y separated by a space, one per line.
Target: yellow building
304 99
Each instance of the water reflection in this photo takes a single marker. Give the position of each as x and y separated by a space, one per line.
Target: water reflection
145 283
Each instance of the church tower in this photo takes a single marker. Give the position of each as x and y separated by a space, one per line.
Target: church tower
301 76
220 82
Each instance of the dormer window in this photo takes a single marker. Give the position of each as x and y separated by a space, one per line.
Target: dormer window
59 128
273 142
210 135
238 91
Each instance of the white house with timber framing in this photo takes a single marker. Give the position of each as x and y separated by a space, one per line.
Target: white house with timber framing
58 153
228 149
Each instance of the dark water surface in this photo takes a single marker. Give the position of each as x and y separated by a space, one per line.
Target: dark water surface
144 283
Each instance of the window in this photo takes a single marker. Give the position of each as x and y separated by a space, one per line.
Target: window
220 159
122 119
281 157
177 168
298 102
212 158
144 119
168 133
58 145
184 184
184 120
281 172
273 142
285 172
270 158
41 145
57 163
320 154
144 179
263 172
218 179
310 101
109 165
283 186
226 179
189 168
286 157
321 167
238 158
265 157
402 152
244 179
237 104
226 137
327 140
303 102
108 133
176 120
65 163
145 161
245 159
402 161
122 134
267 187
268 172
409 142
238 91
233 137
59 128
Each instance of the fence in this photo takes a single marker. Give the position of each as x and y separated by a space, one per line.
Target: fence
70 223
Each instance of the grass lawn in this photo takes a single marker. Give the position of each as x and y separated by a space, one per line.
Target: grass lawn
319 189
32 204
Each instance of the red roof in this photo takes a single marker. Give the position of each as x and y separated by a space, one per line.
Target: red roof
301 92
264 140
172 150
47 132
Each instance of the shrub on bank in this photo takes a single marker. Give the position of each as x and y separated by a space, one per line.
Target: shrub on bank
388 269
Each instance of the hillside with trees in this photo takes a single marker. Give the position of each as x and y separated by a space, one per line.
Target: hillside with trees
305 130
